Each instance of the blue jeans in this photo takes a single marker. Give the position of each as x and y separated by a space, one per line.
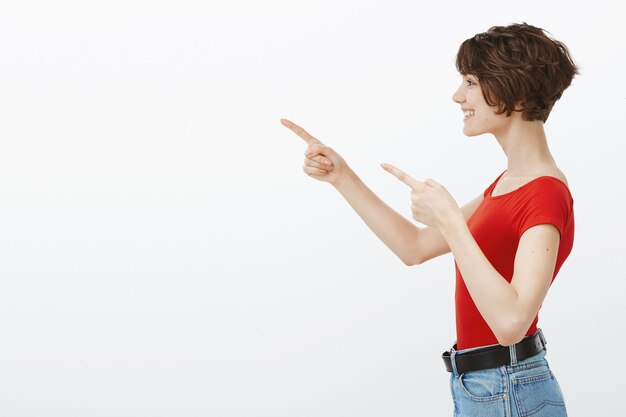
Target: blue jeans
520 389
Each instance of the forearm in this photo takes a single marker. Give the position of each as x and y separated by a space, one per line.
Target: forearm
397 232
495 298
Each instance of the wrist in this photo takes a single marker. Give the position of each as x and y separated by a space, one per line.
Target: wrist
346 181
455 223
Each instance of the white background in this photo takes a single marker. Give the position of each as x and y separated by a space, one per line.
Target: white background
162 252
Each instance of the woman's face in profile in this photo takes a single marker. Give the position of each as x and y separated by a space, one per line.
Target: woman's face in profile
478 116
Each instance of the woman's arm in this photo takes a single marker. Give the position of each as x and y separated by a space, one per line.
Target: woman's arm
395 231
413 245
508 308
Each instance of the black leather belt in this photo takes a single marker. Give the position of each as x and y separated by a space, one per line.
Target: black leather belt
495 356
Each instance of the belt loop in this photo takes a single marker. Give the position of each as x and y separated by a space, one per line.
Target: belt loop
543 339
513 354
455 371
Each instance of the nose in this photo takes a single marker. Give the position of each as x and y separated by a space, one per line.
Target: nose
459 95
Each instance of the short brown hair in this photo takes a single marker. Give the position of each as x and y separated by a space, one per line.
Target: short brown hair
517 63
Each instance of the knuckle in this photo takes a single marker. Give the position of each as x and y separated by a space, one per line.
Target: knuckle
319 159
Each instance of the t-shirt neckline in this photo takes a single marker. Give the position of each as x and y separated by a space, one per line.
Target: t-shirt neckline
490 196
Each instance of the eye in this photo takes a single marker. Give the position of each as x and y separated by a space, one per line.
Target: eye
470 82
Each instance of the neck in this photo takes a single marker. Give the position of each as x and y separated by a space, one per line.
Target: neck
526 148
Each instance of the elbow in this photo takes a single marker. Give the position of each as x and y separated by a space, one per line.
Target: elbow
508 340
510 333
412 262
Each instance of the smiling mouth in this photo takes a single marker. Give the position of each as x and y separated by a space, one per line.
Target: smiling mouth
468 114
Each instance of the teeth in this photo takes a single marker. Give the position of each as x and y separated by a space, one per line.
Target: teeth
468 113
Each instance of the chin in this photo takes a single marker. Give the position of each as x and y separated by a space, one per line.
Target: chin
470 133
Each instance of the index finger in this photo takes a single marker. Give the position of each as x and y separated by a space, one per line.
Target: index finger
310 140
402 176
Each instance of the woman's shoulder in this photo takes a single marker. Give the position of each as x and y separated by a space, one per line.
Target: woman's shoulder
556 177
551 187
558 174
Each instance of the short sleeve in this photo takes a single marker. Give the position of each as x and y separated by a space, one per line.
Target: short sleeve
549 201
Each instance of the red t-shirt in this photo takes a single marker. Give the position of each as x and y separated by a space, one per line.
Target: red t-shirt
497 225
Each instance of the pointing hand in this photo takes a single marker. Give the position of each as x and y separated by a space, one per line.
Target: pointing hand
320 161
432 204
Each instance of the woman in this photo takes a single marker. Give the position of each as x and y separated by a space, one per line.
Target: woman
509 242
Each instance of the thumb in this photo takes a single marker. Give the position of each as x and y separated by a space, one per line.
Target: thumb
318 149
433 183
